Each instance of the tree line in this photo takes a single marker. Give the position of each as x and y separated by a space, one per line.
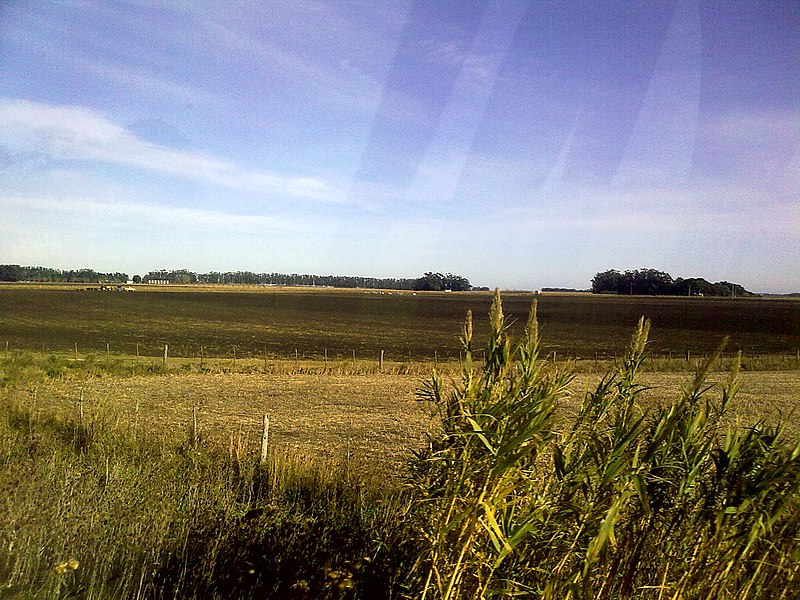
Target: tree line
278 279
650 282
44 274
429 281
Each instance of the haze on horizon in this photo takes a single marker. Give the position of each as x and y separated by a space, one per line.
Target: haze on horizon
520 144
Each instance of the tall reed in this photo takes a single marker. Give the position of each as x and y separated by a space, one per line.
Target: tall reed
680 502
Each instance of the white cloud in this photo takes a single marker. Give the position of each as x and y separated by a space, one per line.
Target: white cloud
453 53
128 214
78 133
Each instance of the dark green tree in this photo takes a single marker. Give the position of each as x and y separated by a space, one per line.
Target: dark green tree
607 282
430 282
11 273
455 283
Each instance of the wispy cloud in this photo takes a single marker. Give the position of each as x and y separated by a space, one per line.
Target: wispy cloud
78 133
331 66
130 77
653 210
762 139
149 215
778 127
760 147
456 54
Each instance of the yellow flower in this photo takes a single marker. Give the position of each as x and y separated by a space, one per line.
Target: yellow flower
70 565
346 584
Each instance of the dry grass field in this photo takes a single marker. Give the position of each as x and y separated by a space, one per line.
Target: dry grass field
373 421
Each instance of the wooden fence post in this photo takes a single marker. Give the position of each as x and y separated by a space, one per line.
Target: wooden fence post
265 440
137 353
194 427
76 351
354 359
166 352
381 362
108 351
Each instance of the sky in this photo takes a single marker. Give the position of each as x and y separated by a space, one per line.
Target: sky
521 144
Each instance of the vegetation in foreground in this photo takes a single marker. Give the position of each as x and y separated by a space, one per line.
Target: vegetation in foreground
679 502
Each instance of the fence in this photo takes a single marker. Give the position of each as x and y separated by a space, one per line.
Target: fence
297 360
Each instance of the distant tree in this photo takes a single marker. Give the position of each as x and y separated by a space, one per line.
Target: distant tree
435 282
137 279
607 282
11 273
642 281
455 283
721 289
651 282
431 282
693 286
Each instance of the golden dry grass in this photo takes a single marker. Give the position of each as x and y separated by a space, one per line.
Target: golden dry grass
371 419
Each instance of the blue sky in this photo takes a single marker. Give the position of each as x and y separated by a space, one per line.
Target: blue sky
521 144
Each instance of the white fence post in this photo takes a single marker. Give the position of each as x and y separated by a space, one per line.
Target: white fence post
265 440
